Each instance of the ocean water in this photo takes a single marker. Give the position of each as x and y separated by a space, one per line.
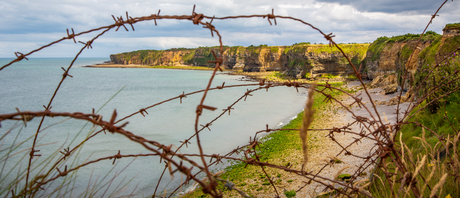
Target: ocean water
28 85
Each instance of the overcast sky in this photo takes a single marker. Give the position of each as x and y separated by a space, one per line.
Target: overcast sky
29 24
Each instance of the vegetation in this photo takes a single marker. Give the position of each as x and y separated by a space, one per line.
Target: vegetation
330 76
377 47
443 72
444 122
430 159
428 54
290 194
381 43
452 26
183 67
234 49
274 49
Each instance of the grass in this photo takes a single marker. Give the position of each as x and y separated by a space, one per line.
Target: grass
381 43
182 67
452 26
425 156
330 76
444 122
276 76
290 194
274 49
428 54
444 72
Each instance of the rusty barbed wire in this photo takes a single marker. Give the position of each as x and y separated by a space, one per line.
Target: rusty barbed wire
371 127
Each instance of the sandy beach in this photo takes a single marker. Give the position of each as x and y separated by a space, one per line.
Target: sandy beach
111 65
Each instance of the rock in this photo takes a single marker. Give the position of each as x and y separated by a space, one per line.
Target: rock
376 82
408 97
389 89
393 101
381 81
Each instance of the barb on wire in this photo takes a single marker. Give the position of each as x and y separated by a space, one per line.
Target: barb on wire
71 36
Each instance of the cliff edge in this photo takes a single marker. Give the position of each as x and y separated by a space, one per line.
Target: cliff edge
401 54
299 60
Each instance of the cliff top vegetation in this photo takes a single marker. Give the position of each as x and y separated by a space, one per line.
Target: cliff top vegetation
380 43
317 48
452 26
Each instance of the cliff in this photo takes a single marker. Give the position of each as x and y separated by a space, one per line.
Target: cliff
296 60
389 55
399 54
386 55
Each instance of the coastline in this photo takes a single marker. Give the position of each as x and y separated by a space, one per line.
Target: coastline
179 67
273 76
322 150
283 148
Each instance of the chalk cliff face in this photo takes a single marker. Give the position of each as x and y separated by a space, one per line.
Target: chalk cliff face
399 54
295 60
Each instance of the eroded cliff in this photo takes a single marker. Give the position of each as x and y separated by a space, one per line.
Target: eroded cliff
401 54
296 60
394 55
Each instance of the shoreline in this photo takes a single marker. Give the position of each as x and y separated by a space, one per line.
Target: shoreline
321 148
178 67
272 76
281 148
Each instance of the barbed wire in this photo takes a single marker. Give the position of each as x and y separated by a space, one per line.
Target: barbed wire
372 128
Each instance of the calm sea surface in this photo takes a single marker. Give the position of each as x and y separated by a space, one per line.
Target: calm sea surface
28 85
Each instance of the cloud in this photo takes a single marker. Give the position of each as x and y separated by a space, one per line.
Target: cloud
28 24
391 6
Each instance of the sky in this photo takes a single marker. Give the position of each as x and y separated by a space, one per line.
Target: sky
29 24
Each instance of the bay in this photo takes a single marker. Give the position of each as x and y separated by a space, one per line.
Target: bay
28 85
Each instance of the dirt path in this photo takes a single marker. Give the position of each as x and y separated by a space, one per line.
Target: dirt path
349 164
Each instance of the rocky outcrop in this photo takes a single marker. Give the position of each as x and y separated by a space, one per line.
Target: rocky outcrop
296 60
389 89
388 60
405 54
389 55
381 81
408 97
451 30
387 83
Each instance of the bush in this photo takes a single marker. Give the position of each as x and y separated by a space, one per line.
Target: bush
290 193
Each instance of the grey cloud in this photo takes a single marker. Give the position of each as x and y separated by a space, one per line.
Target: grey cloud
50 17
391 6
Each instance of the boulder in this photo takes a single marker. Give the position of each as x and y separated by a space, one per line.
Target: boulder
389 89
376 82
381 81
393 101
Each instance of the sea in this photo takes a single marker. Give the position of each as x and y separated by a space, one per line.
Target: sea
28 86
